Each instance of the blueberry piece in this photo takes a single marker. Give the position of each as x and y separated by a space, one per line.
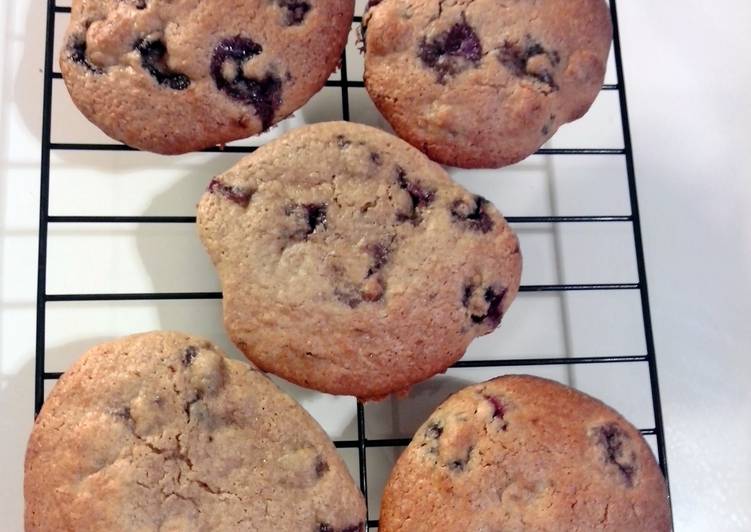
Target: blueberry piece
322 466
434 431
308 219
265 94
342 141
380 254
237 195
611 437
494 313
194 400
488 311
152 59
516 58
316 216
295 11
460 464
138 4
348 296
421 197
474 216
359 527
498 409
123 413
188 355
376 158
463 41
77 54
452 51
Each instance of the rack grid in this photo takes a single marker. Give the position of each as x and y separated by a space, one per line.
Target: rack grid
362 443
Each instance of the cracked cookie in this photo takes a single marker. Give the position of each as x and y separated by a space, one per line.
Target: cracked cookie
173 76
352 264
478 83
162 432
524 453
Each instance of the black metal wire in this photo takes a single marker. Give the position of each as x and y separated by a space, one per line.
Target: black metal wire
639 248
362 443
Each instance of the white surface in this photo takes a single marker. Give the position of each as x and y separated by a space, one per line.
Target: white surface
686 71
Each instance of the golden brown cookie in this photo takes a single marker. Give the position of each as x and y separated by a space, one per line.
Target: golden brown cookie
521 453
172 76
352 264
161 432
482 83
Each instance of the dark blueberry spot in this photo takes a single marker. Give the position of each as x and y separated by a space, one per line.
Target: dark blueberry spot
460 464
494 300
359 527
611 438
376 158
316 215
342 141
486 310
196 398
188 355
379 254
77 51
152 59
516 58
372 3
457 465
265 94
434 431
498 409
123 413
545 129
349 296
322 466
468 291
295 11
138 4
238 195
325 527
475 216
420 196
452 51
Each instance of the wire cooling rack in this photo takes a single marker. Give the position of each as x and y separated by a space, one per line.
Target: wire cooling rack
369 437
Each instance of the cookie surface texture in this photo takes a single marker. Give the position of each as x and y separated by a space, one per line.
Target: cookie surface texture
481 83
161 432
352 264
522 453
173 76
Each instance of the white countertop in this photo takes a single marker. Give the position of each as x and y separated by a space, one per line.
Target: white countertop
687 76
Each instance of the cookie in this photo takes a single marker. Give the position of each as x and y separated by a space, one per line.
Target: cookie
352 264
481 83
523 453
161 432
173 76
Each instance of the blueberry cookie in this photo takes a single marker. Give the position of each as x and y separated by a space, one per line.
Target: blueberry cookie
352 264
172 76
161 432
483 83
524 453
